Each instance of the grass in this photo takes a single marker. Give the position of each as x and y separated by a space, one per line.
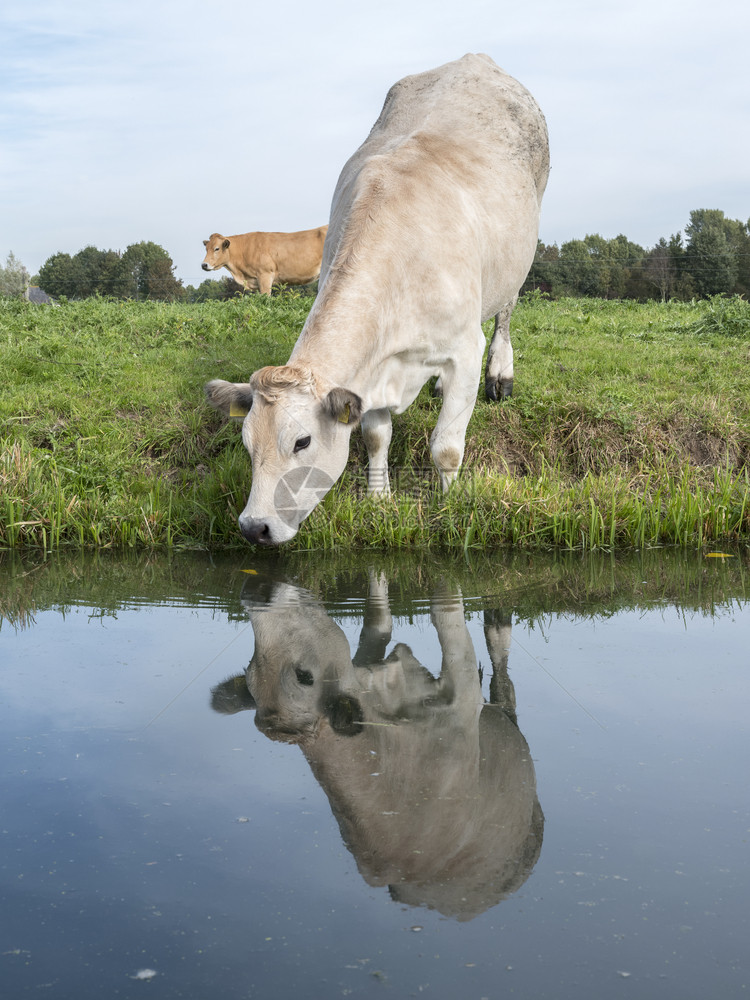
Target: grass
629 427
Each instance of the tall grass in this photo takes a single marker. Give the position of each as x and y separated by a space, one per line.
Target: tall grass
598 512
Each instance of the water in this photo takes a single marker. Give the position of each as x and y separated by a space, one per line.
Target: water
524 775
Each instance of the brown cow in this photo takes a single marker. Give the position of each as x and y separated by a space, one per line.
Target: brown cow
434 791
259 260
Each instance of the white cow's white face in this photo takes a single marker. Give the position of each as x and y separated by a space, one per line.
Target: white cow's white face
300 659
298 441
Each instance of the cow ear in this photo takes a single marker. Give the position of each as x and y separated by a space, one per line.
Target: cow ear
205 243
233 398
345 406
232 696
225 244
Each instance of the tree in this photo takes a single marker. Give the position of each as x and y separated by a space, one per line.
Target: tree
660 270
108 270
14 278
738 236
85 272
57 275
89 270
580 272
146 271
544 272
212 290
710 257
595 266
161 282
628 259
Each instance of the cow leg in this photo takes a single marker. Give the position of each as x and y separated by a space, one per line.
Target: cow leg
376 430
448 439
265 282
377 623
458 684
498 376
497 632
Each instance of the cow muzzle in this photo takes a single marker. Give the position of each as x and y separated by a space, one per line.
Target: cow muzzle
266 531
256 531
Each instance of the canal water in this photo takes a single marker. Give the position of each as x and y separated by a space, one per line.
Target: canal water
315 776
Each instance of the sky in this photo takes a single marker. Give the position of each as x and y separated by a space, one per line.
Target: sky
169 120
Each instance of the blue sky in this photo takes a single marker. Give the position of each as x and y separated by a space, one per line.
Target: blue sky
168 121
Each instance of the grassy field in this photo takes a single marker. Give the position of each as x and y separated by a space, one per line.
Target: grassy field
629 427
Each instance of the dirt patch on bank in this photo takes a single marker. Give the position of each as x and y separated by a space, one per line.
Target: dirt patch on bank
580 445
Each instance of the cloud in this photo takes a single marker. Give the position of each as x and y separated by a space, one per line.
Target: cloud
167 121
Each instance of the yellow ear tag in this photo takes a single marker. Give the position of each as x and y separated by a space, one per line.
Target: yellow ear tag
344 418
237 411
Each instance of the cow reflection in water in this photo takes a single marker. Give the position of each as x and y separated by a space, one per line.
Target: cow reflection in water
433 789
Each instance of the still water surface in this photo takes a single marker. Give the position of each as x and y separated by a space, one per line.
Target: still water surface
521 776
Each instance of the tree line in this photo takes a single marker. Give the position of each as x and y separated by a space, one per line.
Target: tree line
713 258
144 271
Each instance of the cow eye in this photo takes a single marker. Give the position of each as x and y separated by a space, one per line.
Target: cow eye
305 677
301 443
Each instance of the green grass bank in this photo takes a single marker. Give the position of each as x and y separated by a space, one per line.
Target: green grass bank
629 427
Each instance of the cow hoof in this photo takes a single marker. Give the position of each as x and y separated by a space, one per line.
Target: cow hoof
498 388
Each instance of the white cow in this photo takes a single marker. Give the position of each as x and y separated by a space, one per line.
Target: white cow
434 791
433 229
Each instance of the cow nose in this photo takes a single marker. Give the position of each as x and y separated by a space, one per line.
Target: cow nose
256 531
204 266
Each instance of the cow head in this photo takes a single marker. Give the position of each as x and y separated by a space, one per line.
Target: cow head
295 681
217 252
297 433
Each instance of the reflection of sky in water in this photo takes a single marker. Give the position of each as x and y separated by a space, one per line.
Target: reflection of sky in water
142 830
